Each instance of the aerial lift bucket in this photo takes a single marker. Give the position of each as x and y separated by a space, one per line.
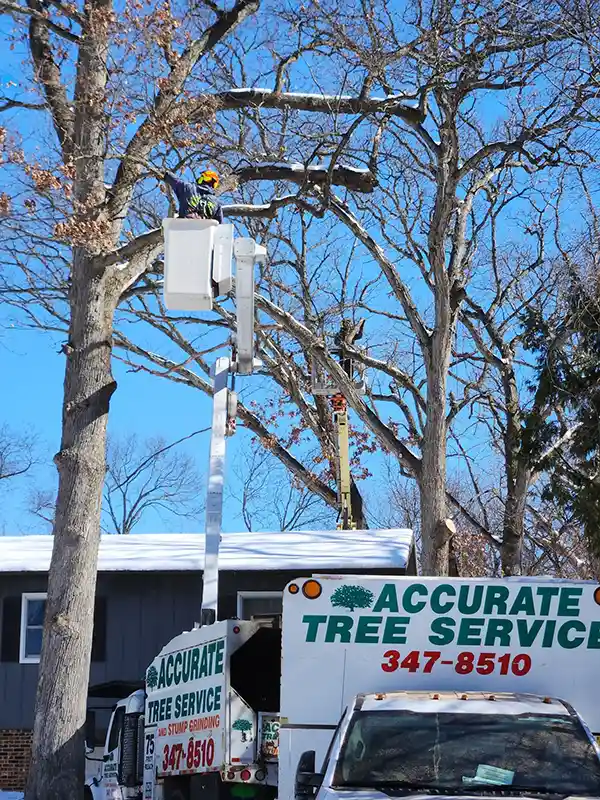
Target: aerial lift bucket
198 255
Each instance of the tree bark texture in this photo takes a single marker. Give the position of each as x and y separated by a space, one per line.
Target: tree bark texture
432 476
518 479
57 769
447 272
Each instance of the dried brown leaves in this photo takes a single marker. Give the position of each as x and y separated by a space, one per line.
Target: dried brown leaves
5 205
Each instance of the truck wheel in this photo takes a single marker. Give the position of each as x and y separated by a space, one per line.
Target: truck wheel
87 794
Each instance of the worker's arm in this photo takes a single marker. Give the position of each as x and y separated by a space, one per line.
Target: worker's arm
175 184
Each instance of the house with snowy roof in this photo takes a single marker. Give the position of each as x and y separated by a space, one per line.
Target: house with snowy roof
149 590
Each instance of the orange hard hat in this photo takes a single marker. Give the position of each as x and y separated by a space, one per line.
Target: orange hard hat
209 176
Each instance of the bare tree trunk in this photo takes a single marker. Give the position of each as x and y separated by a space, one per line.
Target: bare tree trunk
514 519
432 477
435 534
358 513
517 479
58 740
57 767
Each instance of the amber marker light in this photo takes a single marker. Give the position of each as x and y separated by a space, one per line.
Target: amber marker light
293 588
597 595
312 589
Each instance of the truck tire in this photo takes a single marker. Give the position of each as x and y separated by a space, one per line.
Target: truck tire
87 794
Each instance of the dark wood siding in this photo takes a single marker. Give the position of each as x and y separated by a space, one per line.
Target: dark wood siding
139 612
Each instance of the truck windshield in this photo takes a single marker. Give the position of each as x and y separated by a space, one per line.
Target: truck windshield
468 753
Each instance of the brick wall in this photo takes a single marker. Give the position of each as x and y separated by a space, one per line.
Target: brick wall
15 753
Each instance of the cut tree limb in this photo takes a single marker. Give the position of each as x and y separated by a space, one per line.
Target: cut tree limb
354 179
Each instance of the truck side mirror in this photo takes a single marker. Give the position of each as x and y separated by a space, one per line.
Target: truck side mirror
307 780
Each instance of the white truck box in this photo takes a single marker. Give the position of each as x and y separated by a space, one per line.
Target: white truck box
345 635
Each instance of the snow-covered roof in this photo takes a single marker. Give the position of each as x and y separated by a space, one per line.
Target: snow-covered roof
159 552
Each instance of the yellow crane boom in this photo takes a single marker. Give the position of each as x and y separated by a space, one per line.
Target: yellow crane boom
340 420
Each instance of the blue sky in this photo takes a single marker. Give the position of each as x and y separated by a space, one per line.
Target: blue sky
32 367
33 371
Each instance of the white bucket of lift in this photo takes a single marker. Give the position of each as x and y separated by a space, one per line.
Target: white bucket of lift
189 245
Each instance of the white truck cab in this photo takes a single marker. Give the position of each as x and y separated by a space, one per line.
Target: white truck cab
471 744
121 772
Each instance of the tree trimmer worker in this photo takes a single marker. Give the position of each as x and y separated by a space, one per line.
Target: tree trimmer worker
197 200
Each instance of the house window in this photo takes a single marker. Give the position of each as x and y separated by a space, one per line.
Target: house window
33 607
263 607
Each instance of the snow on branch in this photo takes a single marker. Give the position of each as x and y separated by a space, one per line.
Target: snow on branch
358 180
264 210
396 106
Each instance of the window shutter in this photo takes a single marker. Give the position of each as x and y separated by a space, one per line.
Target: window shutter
99 636
11 629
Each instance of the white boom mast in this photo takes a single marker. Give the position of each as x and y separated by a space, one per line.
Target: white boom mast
198 265
214 495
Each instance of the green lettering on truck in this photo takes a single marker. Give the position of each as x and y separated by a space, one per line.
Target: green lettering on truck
528 631
498 632
568 602
339 625
495 599
204 663
523 602
472 607
211 660
594 636
546 593
469 632
367 630
563 637
549 633
313 621
177 670
442 631
408 601
170 664
195 664
436 605
394 631
387 600
219 656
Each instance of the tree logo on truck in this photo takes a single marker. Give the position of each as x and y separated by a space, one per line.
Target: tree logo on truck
243 725
352 597
151 678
